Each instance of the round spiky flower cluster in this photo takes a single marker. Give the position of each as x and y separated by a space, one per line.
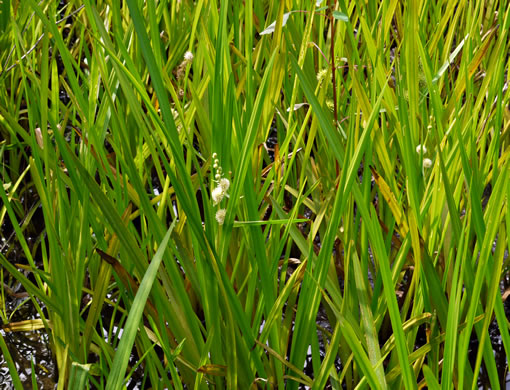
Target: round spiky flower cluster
220 216
220 191
321 75
188 57
421 150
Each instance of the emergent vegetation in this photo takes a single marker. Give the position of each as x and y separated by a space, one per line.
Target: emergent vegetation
256 194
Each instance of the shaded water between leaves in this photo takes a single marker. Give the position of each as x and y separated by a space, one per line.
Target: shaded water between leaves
31 351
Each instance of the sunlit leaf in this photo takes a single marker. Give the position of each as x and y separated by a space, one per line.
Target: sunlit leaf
270 29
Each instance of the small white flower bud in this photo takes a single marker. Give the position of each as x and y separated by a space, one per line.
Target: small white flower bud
217 176
214 155
427 163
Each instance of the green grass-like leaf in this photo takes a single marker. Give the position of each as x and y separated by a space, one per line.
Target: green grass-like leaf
365 224
116 377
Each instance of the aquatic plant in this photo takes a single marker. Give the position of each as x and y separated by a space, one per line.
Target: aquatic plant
238 194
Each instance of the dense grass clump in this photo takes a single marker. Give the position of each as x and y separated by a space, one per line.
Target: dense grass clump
256 194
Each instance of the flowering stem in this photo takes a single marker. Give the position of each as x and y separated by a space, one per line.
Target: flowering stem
333 68
332 53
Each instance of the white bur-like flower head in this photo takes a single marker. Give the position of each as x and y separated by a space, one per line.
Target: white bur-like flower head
224 184
188 56
220 216
421 149
217 195
427 163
